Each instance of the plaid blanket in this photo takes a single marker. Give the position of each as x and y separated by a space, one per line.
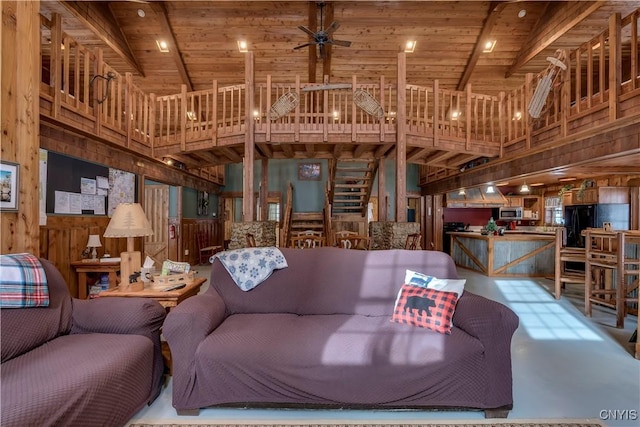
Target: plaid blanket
249 267
23 282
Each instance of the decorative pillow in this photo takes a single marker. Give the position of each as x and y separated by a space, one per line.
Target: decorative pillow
425 307
23 282
422 280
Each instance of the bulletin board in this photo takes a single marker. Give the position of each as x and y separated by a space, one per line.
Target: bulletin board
78 187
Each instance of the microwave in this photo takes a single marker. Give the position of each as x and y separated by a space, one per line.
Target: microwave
510 213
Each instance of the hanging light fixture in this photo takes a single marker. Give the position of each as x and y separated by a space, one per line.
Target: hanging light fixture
524 188
490 189
461 192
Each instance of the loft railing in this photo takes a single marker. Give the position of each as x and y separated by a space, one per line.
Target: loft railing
121 112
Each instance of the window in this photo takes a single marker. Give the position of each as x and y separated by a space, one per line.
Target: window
273 211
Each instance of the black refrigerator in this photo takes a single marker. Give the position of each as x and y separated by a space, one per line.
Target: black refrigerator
579 217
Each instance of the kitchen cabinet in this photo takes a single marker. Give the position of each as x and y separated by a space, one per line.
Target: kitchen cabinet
591 196
514 201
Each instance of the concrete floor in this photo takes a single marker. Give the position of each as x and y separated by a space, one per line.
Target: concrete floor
565 365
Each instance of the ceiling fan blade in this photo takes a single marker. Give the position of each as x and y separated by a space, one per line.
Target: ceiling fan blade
304 45
344 43
334 26
306 30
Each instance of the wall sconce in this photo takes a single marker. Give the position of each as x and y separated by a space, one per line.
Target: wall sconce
110 76
243 47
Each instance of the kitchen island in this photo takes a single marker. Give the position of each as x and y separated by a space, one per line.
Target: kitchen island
515 254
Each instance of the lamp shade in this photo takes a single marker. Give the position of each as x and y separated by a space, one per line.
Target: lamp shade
94 241
524 188
128 220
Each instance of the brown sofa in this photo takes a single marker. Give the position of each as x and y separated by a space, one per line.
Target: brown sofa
318 333
79 362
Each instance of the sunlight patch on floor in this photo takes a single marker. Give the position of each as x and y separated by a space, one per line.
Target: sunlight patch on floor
543 317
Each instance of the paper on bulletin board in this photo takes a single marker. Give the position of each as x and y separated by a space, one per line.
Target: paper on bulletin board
67 203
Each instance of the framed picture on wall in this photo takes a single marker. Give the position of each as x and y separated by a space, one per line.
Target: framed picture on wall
9 181
203 203
309 171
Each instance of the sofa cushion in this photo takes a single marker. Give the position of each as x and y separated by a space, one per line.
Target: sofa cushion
339 359
425 307
26 328
78 380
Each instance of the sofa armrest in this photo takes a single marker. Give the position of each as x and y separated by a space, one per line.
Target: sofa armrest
131 316
186 326
493 324
138 316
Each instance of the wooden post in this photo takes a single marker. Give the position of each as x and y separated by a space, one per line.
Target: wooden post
382 192
56 58
20 88
401 144
615 65
249 142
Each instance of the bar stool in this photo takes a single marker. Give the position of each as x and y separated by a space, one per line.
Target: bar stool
564 255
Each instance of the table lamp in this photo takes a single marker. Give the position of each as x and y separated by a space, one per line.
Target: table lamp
129 221
93 243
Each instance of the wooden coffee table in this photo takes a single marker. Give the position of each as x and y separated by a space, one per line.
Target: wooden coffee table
167 299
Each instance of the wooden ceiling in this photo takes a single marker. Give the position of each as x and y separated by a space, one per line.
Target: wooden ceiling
203 35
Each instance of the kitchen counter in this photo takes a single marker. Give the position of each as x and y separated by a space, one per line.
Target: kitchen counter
516 253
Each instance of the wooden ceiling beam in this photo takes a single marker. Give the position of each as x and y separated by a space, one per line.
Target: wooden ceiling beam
495 8
585 148
163 19
553 24
101 21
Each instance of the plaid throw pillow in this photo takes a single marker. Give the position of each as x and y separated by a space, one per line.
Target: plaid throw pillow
425 307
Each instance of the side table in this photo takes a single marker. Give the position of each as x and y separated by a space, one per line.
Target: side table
167 299
93 266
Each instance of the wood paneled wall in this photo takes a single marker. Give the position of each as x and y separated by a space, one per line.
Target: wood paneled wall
64 238
212 228
19 86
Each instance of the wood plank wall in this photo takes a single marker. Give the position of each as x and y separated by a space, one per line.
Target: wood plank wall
64 238
212 228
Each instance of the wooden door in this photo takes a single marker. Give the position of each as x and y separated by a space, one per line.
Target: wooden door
156 206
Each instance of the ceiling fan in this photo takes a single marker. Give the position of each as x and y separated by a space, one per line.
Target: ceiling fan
322 37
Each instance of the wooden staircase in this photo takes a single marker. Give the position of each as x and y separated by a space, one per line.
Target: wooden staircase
307 221
350 186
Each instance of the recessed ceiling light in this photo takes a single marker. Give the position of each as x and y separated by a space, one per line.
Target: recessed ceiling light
410 46
522 13
567 179
162 46
141 13
488 46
